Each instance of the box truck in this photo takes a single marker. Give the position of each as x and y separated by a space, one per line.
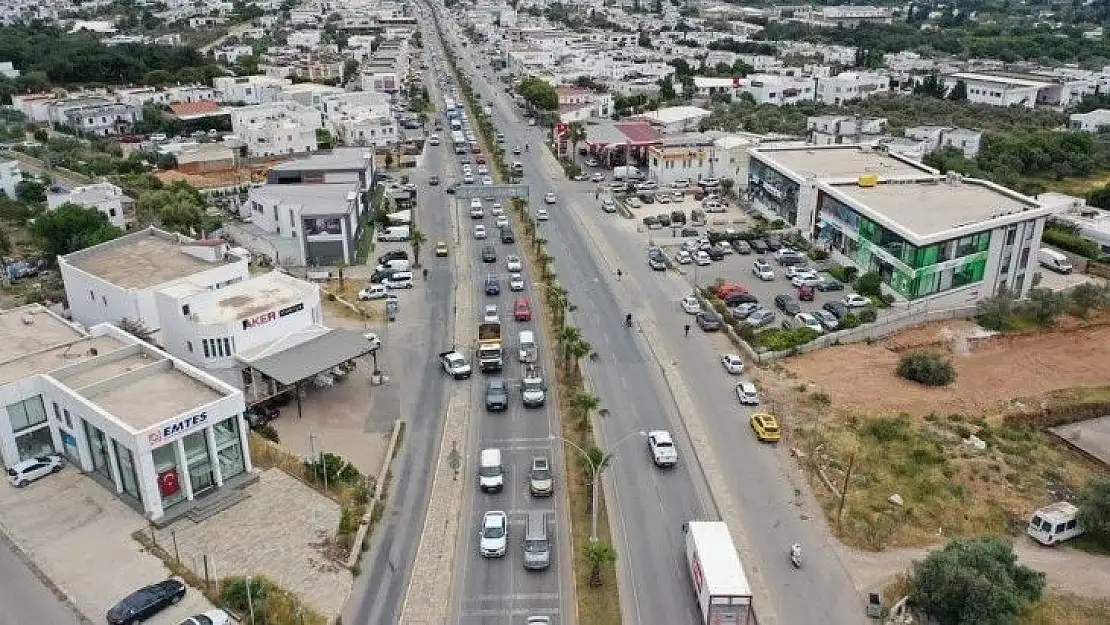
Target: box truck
489 347
720 585
623 172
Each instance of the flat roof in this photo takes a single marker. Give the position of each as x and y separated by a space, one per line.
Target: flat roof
929 208
313 356
152 398
840 162
339 159
138 261
244 299
45 345
315 199
1002 80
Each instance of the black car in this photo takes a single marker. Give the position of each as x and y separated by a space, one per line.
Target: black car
787 304
742 246
451 189
493 286
829 284
393 255
647 198
774 242
489 255
507 235
678 217
433 181
840 311
793 258
759 245
378 276
146 602
497 395
737 297
663 220
708 322
715 253
689 232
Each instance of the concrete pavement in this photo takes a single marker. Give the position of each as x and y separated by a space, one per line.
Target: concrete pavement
25 597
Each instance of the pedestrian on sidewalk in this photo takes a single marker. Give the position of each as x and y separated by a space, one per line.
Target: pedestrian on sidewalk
687 329
619 274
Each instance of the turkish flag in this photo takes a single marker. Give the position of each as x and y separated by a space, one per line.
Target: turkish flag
561 129
168 483
736 82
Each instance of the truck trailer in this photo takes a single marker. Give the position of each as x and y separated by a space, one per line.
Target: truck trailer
724 596
489 347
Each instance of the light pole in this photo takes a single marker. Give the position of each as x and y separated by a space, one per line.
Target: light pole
595 470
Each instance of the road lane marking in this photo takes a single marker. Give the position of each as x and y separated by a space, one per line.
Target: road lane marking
543 596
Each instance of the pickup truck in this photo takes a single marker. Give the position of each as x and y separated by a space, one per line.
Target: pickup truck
455 364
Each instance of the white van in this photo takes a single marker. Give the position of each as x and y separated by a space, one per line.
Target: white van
1053 524
394 233
624 172
1054 260
399 280
491 475
527 342
395 264
476 209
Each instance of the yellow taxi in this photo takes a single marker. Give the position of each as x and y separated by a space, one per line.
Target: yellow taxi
441 249
766 427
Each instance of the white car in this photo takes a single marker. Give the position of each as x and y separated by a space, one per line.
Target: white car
31 469
497 209
763 271
375 342
541 214
487 180
516 282
372 292
211 617
732 364
490 315
512 263
794 270
809 278
690 245
483 170
597 177
476 210
690 305
493 538
609 205
455 365
747 394
804 319
683 257
501 222
479 231
662 448
855 300
702 258
468 178
549 197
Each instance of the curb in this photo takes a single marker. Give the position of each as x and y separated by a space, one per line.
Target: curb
379 494
24 556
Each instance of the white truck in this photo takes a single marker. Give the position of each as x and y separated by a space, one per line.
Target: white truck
722 589
1053 260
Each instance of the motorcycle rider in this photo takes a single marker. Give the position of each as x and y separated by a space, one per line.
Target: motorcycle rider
796 554
628 320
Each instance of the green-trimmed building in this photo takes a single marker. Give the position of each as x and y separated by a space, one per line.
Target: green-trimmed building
925 233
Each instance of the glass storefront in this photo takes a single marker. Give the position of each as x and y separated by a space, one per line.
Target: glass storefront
229 448
127 475
201 475
168 475
773 190
98 449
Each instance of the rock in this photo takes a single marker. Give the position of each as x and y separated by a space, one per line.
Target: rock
896 499
975 444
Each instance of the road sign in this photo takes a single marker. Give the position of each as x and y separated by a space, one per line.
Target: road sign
492 191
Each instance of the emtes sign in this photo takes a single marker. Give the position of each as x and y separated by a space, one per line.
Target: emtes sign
176 429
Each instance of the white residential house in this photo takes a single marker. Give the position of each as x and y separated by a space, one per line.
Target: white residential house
273 129
674 119
361 118
10 175
936 137
997 90
838 129
103 196
847 86
101 119
779 90
579 104
250 89
304 38
1094 122
232 54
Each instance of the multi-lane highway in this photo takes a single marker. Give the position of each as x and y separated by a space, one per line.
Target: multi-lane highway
650 504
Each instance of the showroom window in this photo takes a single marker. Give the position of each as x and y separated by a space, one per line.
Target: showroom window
127 474
27 414
98 449
200 463
229 449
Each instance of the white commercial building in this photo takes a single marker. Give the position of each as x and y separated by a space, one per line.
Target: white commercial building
276 129
250 89
997 90
117 280
847 86
10 176
102 196
153 429
779 90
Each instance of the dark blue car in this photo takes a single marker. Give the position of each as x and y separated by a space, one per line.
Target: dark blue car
146 602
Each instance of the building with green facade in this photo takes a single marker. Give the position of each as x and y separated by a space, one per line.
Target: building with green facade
925 233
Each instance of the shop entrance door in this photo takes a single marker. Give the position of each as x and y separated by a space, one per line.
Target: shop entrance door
69 448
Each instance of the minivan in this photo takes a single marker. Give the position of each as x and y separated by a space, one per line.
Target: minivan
1055 523
537 546
1054 260
491 475
396 264
399 280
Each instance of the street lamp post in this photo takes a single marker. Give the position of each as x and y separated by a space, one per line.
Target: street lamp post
595 471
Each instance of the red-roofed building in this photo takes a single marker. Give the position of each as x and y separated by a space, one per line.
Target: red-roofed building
196 110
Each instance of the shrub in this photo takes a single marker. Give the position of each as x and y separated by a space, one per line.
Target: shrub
887 429
867 315
870 284
926 368
269 433
817 253
778 340
843 273
996 312
1071 241
335 468
851 320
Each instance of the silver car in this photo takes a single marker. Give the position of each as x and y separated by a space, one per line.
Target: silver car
760 318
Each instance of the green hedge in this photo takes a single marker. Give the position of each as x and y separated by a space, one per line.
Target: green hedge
1072 242
777 340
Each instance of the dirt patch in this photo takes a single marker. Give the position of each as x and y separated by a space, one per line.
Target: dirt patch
990 371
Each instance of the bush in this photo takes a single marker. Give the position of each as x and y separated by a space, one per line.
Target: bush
851 320
818 254
269 433
870 284
867 315
1072 242
337 470
778 340
843 273
997 312
926 368
270 603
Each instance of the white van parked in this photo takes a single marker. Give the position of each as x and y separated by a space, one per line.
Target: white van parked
394 264
394 233
1055 523
1054 260
399 280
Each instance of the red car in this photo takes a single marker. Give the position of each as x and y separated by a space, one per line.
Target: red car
522 310
480 159
805 293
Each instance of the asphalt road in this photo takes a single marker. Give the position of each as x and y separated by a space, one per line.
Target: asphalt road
379 592
500 590
23 597
647 505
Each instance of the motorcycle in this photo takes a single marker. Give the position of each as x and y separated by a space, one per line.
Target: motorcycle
796 556
628 321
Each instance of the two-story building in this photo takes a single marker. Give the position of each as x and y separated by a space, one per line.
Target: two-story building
10 176
250 89
1095 121
102 196
847 86
276 129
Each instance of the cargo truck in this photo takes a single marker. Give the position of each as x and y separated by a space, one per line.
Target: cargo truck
489 347
720 585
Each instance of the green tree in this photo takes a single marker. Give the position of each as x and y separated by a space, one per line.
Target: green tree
926 368
1094 506
1100 198
417 239
30 191
5 243
539 93
958 92
870 284
666 89
178 208
997 311
931 86
576 133
581 405
1087 297
70 227
1044 306
600 555
975 581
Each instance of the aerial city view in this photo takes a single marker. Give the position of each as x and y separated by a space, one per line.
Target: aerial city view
639 312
